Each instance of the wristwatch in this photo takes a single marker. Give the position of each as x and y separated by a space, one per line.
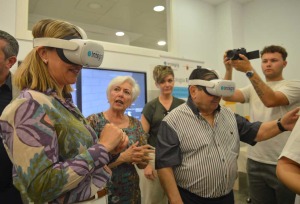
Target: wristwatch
250 74
280 127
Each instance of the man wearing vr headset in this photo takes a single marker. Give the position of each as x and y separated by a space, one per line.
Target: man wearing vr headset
57 157
198 142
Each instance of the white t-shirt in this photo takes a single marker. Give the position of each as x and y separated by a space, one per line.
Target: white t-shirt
268 151
292 151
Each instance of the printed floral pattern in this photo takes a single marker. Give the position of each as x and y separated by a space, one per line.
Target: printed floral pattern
123 187
54 151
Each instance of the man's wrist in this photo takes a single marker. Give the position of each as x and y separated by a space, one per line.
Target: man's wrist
280 127
250 73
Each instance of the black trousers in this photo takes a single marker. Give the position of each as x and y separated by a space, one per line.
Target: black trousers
191 198
8 193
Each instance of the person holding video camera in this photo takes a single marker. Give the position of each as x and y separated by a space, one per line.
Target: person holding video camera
268 100
198 142
57 157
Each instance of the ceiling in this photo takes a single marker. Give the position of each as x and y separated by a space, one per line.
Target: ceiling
101 19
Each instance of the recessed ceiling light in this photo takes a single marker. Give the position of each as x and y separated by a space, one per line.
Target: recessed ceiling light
94 5
158 8
161 43
120 33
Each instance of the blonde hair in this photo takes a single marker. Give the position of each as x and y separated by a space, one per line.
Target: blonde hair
33 72
160 72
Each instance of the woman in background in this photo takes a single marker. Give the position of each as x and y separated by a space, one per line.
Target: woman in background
124 186
152 115
57 157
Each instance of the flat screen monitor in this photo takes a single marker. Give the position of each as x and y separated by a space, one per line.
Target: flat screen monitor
90 90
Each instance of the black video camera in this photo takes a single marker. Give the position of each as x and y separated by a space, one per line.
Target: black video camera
234 54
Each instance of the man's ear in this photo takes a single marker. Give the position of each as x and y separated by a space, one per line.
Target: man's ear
11 61
284 64
192 90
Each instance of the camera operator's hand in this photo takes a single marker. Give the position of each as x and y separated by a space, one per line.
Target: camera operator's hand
228 66
243 65
226 62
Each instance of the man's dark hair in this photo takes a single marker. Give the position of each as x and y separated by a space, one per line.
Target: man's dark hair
12 47
203 74
273 49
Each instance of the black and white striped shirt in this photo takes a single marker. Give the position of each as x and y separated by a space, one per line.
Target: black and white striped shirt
204 158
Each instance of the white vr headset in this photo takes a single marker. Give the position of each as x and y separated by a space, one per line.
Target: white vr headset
83 52
216 87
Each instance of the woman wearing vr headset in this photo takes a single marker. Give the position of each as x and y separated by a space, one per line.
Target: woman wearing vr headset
124 185
152 115
57 157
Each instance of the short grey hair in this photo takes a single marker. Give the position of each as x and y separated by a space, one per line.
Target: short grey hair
120 80
12 47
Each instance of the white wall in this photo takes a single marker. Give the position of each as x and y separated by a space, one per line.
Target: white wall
274 22
202 32
194 30
257 24
8 16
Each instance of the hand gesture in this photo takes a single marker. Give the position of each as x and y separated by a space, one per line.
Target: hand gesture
122 145
242 65
226 62
150 173
111 137
143 153
129 154
289 120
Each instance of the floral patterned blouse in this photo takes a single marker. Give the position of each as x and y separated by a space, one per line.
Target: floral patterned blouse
124 185
54 151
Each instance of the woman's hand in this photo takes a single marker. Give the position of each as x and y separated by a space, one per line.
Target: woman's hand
144 155
137 154
150 173
129 155
113 139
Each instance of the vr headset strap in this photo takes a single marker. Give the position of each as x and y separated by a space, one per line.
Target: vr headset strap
201 83
81 32
56 43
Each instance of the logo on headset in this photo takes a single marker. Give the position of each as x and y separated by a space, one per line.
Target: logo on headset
95 55
227 88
